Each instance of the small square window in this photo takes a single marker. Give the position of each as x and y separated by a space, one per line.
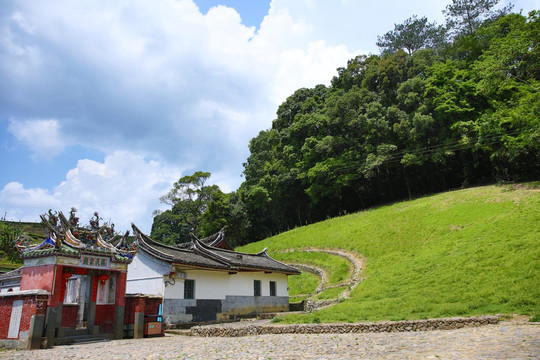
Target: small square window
189 289
272 288
257 287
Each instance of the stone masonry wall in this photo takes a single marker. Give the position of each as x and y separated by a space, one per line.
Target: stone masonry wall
388 326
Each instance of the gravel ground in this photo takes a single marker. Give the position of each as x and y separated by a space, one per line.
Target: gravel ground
506 340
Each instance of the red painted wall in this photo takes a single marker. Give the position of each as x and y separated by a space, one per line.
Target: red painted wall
121 278
43 277
38 277
5 315
148 306
152 306
32 305
105 317
69 315
133 305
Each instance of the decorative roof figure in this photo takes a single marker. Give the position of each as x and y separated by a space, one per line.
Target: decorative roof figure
73 220
67 237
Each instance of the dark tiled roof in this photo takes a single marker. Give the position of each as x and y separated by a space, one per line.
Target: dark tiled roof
14 274
216 240
200 254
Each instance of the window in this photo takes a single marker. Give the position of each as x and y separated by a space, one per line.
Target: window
272 288
257 287
189 289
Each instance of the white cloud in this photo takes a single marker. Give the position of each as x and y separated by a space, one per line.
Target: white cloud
42 136
128 74
124 188
161 79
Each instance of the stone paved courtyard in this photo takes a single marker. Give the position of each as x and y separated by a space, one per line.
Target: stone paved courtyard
506 340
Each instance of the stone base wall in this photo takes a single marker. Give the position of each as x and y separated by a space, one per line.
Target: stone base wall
240 305
175 310
178 311
388 326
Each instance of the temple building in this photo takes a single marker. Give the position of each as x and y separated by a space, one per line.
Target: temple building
88 283
204 280
71 285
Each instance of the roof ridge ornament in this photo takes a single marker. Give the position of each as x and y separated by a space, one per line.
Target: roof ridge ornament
61 232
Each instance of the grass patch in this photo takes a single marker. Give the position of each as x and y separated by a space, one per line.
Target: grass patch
303 284
329 294
460 253
296 299
337 268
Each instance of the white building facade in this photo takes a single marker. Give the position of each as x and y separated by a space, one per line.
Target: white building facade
199 282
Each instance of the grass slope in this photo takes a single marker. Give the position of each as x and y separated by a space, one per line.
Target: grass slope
467 252
34 232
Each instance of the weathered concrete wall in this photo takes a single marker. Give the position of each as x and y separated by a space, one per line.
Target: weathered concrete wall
237 305
205 310
177 311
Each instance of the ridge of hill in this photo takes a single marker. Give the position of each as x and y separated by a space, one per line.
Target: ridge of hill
465 252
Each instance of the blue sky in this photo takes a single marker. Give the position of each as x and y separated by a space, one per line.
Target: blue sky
103 105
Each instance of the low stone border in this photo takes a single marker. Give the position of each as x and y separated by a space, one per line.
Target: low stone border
387 326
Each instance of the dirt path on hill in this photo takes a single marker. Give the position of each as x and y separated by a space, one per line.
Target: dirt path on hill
357 264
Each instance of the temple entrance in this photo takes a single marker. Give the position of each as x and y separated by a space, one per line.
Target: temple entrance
83 301
78 294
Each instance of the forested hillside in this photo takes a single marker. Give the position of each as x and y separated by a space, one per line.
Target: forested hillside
441 107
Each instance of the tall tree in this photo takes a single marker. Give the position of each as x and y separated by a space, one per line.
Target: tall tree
190 198
465 16
414 34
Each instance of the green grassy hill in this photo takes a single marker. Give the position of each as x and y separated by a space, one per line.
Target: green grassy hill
34 232
467 252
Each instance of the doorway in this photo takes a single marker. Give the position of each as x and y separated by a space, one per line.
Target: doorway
78 293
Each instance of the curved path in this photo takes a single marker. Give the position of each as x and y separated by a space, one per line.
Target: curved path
357 264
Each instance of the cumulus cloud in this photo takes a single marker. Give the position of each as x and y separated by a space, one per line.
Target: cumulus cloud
42 136
124 188
162 79
134 74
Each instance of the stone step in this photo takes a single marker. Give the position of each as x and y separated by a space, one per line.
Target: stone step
80 339
67 332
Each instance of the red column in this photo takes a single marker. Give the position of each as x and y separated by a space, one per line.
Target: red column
120 297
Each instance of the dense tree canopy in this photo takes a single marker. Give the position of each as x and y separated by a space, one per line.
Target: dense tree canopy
189 198
390 127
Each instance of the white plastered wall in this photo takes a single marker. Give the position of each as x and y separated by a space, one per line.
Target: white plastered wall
217 285
145 275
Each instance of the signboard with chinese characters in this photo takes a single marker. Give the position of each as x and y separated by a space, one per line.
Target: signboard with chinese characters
96 262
